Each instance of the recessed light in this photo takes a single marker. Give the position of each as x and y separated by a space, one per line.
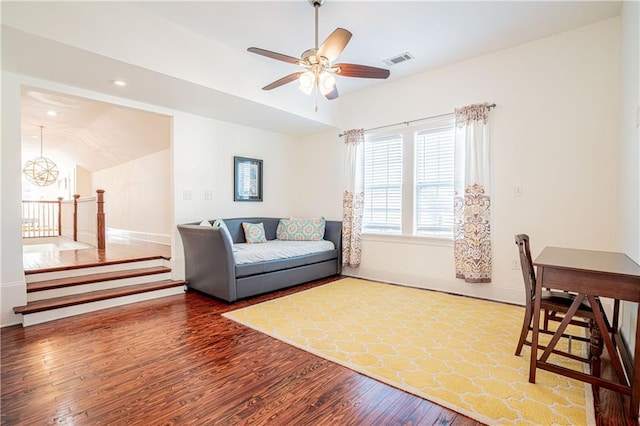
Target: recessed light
120 83
51 113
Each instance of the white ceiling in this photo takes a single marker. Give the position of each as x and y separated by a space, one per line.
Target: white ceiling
435 33
94 135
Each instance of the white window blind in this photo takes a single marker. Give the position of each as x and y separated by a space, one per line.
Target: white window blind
383 184
434 181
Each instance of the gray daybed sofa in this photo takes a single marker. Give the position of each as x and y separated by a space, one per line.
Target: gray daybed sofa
210 266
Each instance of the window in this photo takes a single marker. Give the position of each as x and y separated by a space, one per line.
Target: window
383 184
408 180
434 181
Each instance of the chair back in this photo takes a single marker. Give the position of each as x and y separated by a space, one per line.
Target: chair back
526 264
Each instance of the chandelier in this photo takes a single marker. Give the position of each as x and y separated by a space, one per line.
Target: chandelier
41 171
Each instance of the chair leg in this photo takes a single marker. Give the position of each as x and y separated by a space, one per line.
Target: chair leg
526 323
595 350
546 319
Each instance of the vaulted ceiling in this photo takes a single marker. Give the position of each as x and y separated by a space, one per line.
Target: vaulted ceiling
191 56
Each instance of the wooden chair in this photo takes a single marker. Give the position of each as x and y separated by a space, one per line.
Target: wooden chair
553 304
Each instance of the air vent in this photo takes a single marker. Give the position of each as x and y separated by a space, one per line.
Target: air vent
399 58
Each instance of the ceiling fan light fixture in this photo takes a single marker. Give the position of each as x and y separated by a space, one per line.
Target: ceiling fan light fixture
326 82
307 81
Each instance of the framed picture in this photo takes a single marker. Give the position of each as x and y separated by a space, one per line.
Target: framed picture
247 179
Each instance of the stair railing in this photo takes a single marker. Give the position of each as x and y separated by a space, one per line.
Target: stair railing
41 218
80 219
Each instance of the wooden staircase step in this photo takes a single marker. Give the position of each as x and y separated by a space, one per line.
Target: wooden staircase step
94 278
93 262
94 296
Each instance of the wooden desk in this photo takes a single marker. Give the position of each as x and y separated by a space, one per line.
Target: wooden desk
589 274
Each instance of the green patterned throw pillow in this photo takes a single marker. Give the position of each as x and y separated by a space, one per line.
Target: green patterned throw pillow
301 229
254 232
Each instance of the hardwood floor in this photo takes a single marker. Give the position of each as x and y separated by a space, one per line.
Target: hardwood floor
177 361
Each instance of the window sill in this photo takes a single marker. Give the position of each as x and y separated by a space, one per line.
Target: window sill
409 239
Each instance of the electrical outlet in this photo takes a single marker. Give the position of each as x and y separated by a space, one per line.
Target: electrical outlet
187 195
515 264
208 195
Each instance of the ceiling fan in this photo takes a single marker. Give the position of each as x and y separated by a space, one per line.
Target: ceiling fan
318 61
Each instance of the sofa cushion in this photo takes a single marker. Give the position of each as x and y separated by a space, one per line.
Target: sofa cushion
254 233
278 249
301 229
249 269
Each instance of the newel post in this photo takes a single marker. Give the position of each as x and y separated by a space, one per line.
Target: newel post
60 216
75 216
101 223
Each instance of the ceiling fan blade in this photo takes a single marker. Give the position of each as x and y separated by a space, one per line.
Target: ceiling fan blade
284 80
333 46
332 94
274 55
362 71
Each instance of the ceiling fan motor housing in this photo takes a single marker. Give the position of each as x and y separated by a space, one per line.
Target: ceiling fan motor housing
309 56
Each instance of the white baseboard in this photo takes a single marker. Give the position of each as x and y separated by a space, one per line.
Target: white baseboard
481 291
87 238
139 236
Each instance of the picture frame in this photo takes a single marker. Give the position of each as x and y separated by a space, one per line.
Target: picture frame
247 179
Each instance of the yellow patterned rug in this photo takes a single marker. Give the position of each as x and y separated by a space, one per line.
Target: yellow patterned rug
452 350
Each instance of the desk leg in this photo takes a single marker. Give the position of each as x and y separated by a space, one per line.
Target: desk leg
635 380
535 328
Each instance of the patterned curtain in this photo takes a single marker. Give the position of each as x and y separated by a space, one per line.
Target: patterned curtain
472 200
353 198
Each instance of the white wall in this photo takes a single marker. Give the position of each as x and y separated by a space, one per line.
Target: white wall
555 133
629 221
138 195
320 172
83 182
13 290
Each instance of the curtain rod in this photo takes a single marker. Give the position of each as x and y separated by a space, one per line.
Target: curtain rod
406 123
